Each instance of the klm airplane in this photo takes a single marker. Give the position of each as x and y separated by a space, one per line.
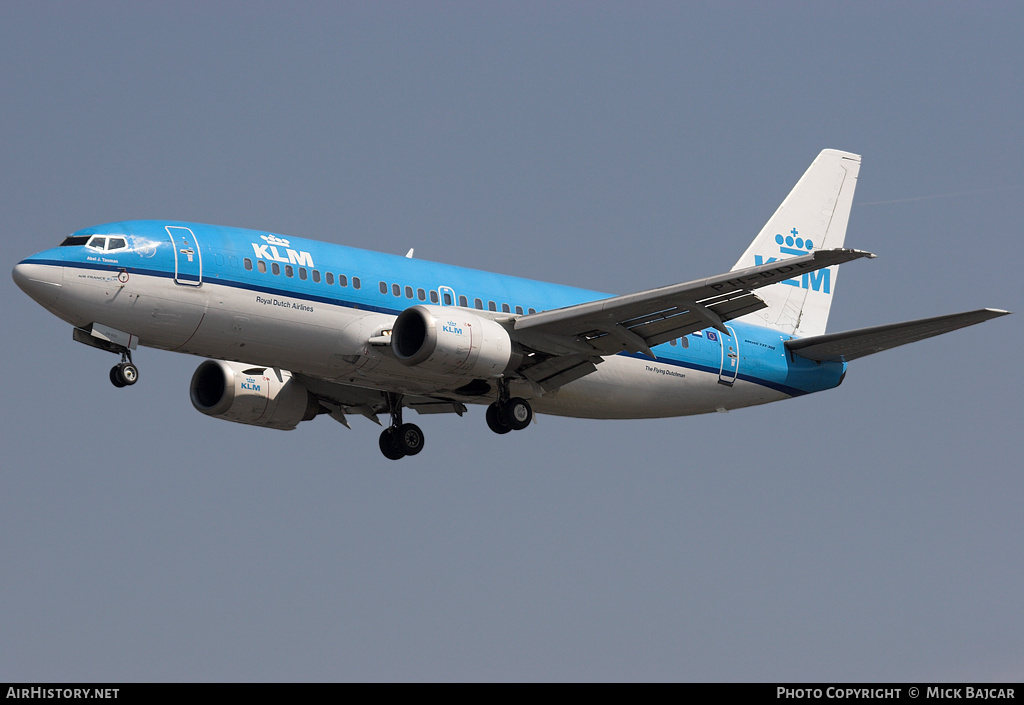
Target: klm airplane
295 328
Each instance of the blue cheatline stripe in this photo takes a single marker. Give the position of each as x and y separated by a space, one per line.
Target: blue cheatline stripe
237 284
362 306
791 391
347 303
54 262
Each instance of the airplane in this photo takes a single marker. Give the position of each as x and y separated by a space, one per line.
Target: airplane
295 328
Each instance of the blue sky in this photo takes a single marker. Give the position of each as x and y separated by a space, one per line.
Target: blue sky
872 532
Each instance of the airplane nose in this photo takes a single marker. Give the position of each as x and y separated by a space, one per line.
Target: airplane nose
40 281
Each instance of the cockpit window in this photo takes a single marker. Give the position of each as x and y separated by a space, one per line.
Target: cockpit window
100 242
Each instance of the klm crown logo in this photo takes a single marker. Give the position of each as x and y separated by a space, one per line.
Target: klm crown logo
290 256
274 240
793 244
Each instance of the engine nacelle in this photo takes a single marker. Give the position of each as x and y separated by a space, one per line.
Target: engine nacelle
452 341
251 394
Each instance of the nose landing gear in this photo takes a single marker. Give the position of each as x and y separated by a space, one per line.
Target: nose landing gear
114 341
125 373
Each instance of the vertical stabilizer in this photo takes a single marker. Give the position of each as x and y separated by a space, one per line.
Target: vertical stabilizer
813 217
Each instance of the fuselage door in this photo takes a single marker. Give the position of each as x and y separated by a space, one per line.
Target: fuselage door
447 295
730 366
188 262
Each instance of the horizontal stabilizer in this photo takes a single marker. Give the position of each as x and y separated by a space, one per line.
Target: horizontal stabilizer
843 347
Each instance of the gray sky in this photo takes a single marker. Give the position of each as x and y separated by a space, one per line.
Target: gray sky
872 532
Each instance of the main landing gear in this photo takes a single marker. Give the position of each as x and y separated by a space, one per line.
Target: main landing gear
399 439
508 414
125 373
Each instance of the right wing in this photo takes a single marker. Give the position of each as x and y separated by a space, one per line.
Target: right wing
572 340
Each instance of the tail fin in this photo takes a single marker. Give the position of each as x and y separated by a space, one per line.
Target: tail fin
813 217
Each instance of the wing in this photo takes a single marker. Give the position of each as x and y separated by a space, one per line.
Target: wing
342 400
866 341
573 340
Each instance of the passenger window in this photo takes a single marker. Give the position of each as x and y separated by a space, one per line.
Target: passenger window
532 310
330 278
396 289
248 264
505 308
685 342
408 292
356 284
275 268
343 280
288 271
316 276
447 299
383 288
672 342
491 306
262 266
463 302
519 310
421 295
433 297
302 273
477 303
116 243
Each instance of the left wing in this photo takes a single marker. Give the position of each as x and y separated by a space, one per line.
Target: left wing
573 340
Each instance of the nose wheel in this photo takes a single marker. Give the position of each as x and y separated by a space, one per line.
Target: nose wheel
125 373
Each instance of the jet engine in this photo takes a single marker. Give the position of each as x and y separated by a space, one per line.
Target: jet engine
452 341
251 395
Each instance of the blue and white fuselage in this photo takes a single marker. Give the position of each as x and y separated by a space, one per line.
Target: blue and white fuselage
223 300
306 327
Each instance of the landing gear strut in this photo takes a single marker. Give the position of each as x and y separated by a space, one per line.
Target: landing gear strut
125 373
399 439
508 413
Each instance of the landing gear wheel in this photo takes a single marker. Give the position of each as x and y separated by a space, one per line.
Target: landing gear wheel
399 439
129 373
389 446
124 374
409 439
494 419
517 413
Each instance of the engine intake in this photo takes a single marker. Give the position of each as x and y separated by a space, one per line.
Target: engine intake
452 341
251 395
